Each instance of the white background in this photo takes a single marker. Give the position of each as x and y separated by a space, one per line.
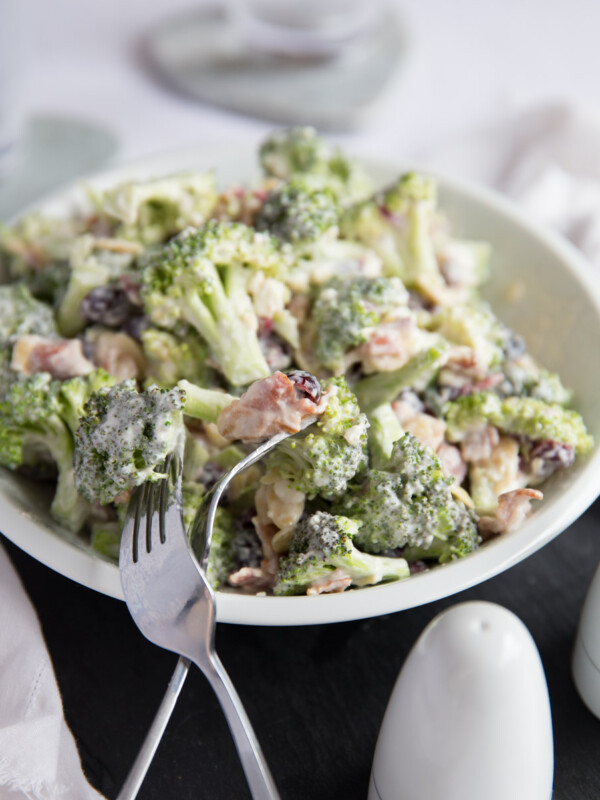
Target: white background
470 62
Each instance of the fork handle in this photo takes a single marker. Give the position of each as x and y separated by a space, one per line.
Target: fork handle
260 781
138 771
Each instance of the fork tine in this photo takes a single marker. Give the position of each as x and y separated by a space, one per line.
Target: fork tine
163 499
137 520
149 498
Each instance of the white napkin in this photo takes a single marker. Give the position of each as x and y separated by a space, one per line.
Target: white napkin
547 159
38 756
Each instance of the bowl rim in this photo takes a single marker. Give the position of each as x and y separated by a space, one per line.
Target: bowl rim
73 560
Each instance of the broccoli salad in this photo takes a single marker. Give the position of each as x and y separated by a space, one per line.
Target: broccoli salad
169 314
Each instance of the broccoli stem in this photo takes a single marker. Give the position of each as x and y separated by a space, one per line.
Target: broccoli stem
384 387
384 430
68 506
234 345
204 404
365 569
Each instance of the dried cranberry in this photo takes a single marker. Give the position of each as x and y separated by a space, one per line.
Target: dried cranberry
135 326
106 305
306 384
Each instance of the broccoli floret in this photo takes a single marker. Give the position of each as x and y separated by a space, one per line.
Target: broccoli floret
409 504
471 412
201 278
170 357
328 258
36 251
123 436
525 378
323 543
475 326
397 224
519 416
548 387
151 211
297 214
21 314
33 431
528 416
73 394
344 313
458 543
299 153
8 376
384 387
90 268
330 453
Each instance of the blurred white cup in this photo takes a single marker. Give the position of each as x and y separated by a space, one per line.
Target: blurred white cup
313 28
13 57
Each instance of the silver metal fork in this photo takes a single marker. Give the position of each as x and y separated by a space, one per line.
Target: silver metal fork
173 605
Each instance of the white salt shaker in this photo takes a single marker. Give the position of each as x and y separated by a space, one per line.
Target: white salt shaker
469 716
586 654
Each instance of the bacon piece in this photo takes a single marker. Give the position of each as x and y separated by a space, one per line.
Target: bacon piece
119 354
427 429
336 581
270 406
453 465
463 368
251 578
62 358
479 443
512 509
390 345
404 411
489 382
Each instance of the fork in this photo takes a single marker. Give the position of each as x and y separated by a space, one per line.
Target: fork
171 602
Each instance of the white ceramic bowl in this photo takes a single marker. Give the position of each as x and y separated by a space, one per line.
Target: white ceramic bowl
540 286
